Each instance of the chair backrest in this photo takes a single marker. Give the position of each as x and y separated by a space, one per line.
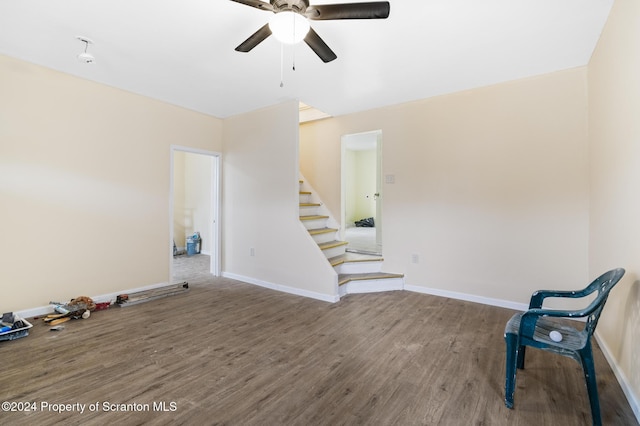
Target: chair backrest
602 285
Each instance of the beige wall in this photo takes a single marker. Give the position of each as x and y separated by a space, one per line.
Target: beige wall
491 185
84 185
614 136
261 206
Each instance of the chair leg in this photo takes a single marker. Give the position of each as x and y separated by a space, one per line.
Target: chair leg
589 370
511 341
521 353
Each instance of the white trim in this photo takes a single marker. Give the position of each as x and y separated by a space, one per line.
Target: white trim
342 290
35 312
195 150
468 297
625 384
108 297
283 288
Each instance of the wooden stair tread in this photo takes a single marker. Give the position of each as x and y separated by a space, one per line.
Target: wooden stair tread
354 257
332 244
313 217
305 192
310 204
317 231
345 278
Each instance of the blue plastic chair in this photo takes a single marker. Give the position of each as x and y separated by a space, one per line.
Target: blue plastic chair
533 328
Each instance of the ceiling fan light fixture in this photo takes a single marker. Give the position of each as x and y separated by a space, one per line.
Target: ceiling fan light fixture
289 27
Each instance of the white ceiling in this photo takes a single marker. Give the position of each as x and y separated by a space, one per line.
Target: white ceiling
182 51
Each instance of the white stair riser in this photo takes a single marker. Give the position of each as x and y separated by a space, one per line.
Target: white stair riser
373 286
315 223
324 237
358 267
334 251
305 198
308 210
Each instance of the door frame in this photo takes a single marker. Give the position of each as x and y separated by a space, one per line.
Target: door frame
214 237
344 142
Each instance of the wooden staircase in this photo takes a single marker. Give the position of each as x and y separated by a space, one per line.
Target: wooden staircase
357 273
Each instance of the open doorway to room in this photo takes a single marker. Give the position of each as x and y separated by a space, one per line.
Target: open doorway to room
361 192
194 213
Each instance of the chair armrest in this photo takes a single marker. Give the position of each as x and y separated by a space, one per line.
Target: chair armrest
602 285
538 296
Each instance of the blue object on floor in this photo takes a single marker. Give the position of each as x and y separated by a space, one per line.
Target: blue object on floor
193 244
191 247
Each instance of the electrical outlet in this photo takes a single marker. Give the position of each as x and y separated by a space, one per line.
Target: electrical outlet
252 251
415 258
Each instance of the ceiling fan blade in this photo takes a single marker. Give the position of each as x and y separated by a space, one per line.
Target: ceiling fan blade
369 10
319 46
255 39
257 4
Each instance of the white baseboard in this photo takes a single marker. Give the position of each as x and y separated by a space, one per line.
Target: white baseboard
468 297
622 378
45 310
283 288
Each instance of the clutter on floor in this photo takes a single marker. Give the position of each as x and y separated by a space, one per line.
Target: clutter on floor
78 308
152 294
13 327
193 245
365 223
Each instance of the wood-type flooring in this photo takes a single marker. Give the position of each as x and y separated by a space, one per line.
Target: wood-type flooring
230 353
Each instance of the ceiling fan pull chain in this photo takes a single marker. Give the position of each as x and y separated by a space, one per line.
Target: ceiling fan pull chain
281 64
294 46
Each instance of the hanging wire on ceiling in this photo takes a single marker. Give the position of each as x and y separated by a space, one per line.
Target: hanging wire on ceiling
294 57
281 65
85 56
293 47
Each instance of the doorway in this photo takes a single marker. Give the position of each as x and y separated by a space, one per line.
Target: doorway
361 207
194 211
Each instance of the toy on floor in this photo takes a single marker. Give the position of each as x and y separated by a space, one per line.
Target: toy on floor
80 307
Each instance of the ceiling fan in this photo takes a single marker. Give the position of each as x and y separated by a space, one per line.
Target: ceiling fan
301 12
